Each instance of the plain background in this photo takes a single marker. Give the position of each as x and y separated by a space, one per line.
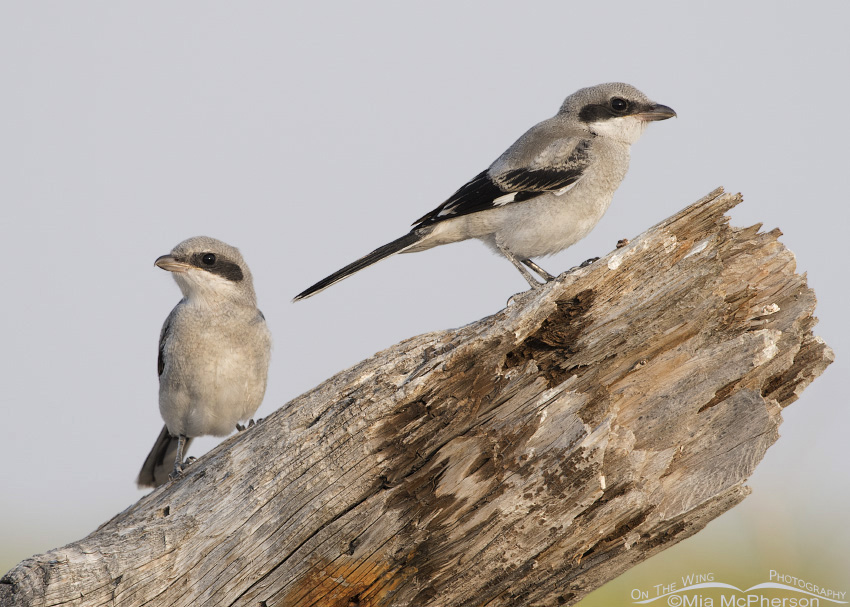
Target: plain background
308 134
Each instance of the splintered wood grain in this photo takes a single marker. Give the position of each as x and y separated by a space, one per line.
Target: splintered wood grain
524 459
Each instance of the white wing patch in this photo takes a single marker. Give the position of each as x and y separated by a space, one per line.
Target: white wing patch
503 200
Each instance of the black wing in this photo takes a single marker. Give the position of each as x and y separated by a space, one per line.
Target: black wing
163 335
484 192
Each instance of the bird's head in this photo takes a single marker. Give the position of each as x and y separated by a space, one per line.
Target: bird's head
209 271
615 110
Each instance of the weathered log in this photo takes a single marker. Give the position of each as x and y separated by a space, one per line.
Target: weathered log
524 459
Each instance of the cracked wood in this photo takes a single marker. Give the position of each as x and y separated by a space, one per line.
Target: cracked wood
524 459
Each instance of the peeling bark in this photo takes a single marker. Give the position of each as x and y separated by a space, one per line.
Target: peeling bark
524 459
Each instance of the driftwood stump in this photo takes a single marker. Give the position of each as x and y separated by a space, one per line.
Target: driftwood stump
524 459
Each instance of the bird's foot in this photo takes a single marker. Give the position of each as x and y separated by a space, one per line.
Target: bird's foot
250 423
180 468
517 297
583 264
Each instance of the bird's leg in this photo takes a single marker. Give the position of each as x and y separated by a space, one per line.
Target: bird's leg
543 273
178 461
518 265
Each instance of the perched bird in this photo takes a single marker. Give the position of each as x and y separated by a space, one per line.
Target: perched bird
545 193
214 351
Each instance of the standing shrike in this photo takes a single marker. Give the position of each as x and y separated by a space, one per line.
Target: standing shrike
545 193
214 351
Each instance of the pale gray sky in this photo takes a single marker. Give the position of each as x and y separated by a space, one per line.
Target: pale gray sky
308 134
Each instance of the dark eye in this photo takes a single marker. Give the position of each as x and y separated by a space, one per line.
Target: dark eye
619 105
208 259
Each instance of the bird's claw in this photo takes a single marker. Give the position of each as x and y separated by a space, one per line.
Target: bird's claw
179 468
250 423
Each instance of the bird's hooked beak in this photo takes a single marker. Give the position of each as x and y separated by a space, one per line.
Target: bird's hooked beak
656 112
167 262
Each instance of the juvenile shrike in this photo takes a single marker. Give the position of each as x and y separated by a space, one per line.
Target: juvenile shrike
545 193
214 351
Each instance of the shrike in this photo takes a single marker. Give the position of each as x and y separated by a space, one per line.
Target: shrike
545 193
214 351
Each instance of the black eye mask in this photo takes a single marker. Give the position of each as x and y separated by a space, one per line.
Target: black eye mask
217 265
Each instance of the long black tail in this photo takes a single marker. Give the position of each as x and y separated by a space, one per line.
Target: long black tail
396 246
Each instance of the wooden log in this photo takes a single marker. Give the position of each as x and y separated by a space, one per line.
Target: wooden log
524 459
